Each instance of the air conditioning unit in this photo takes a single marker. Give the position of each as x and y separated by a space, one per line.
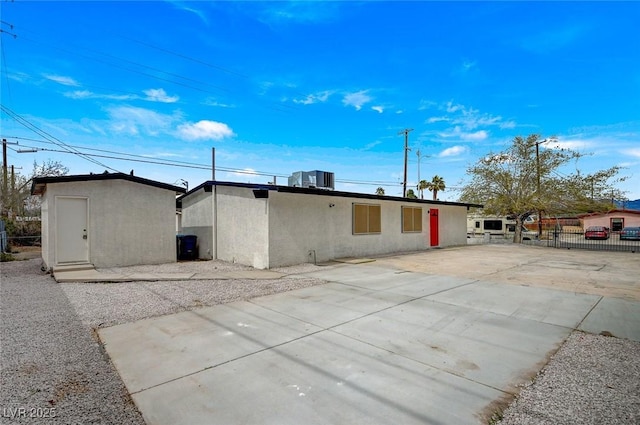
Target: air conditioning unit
313 179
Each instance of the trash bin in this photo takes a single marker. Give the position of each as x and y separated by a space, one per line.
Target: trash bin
187 247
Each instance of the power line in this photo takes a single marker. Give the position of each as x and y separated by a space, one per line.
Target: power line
274 106
46 135
122 156
180 55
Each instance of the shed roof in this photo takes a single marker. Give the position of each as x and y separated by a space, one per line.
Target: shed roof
40 183
321 192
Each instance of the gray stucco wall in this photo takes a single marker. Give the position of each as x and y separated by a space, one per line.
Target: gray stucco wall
129 223
305 227
293 228
242 227
453 224
197 219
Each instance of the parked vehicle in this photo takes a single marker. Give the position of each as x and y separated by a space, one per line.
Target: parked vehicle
630 234
495 225
596 232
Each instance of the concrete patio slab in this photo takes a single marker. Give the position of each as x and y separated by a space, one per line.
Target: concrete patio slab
369 276
539 304
379 344
618 317
330 304
322 379
153 351
462 341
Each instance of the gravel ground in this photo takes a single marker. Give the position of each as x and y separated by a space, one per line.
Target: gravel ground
108 304
50 360
592 379
50 365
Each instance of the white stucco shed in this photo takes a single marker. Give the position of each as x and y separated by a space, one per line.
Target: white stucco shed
267 226
107 220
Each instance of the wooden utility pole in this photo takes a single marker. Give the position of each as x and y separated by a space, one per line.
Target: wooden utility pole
406 150
4 177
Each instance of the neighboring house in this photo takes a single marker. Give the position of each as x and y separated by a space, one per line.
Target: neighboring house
614 219
267 226
107 220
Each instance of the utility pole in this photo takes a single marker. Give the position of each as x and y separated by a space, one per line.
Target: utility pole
406 150
213 164
4 176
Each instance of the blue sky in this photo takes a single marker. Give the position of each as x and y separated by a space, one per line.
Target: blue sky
278 87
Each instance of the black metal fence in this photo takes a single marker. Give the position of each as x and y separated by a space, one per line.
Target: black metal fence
575 239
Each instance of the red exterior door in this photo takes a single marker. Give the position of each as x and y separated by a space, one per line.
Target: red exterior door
433 227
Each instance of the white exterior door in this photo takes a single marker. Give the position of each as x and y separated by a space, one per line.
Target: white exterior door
72 232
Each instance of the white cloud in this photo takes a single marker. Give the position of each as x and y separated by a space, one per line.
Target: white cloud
453 151
133 121
204 130
60 79
159 95
180 5
467 65
79 94
478 135
372 145
469 118
457 132
450 107
214 102
379 109
635 152
244 172
426 104
86 94
310 99
431 120
357 99
573 144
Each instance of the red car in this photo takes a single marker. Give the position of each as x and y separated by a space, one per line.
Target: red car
596 232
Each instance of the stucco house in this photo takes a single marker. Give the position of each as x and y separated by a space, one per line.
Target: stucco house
267 226
107 220
614 219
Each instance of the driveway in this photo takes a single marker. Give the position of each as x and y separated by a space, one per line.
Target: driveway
443 336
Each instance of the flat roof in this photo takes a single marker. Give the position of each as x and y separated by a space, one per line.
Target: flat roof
39 184
322 192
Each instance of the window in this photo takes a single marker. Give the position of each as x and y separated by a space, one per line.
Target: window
366 219
617 224
493 225
477 224
411 219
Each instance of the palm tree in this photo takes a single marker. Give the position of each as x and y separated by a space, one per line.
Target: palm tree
436 185
422 185
380 191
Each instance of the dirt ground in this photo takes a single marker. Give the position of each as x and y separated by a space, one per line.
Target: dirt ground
610 274
20 253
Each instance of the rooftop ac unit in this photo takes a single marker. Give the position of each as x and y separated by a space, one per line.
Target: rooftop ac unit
313 179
